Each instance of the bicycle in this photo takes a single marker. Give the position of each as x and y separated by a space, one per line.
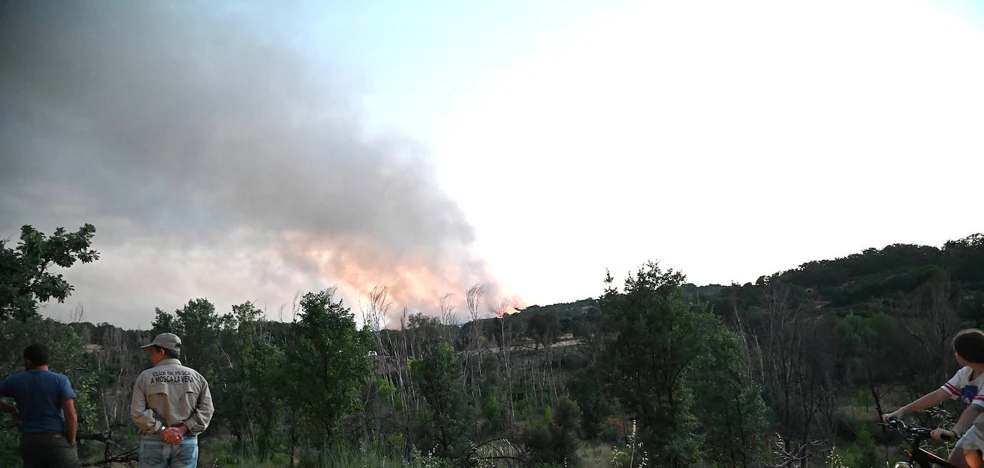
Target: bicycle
918 456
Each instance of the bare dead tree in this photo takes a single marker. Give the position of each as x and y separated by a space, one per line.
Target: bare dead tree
292 415
377 310
77 314
473 299
782 357
785 457
449 318
406 386
506 350
115 453
740 326
373 316
930 319
812 366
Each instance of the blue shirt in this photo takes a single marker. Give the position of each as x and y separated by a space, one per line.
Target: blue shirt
39 395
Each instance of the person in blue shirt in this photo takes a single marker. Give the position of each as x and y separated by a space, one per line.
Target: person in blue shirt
46 411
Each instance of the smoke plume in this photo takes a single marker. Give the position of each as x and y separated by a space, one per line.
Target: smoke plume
215 156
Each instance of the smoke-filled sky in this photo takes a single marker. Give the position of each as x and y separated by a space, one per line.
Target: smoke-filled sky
250 151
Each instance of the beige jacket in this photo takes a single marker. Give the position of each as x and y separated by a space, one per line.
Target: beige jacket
170 394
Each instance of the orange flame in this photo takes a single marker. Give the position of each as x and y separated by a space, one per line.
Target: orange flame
415 280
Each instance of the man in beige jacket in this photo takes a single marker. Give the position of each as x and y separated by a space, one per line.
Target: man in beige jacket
172 405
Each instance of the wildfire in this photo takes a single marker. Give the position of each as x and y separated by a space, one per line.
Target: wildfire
514 303
415 280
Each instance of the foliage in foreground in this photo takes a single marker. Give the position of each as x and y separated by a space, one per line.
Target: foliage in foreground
26 276
660 372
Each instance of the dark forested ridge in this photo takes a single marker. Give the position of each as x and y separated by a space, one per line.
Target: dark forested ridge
791 369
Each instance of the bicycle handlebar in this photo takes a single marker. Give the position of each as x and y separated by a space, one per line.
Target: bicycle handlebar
917 432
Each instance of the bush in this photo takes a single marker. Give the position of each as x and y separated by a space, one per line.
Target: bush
492 412
555 438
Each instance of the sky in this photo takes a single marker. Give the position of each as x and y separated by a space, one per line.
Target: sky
256 150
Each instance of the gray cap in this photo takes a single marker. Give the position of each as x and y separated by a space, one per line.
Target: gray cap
166 341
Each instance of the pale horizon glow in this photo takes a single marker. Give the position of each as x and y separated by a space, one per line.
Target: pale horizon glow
727 140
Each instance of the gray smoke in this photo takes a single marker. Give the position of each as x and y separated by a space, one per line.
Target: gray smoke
190 130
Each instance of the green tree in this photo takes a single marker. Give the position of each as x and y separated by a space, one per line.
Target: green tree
543 328
199 327
165 322
870 354
732 413
595 405
554 440
254 367
438 380
328 362
653 339
26 278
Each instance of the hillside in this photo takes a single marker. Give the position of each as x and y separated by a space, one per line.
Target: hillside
812 354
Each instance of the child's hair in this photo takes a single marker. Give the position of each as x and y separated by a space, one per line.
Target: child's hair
969 344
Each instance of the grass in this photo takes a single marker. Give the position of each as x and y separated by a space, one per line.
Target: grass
369 453
595 455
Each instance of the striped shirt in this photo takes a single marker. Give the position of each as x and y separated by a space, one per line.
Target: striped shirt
961 387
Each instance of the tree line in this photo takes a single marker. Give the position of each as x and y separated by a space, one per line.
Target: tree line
654 371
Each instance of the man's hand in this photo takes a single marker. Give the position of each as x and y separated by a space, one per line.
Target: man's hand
940 434
172 435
